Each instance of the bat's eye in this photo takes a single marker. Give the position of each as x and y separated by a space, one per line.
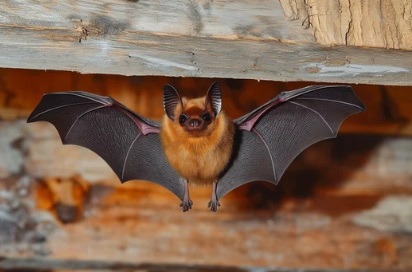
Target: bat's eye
183 118
206 116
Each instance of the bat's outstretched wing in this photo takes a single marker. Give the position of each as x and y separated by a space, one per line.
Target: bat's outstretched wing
129 143
270 137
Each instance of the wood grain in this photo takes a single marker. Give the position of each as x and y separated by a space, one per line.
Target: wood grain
231 39
371 23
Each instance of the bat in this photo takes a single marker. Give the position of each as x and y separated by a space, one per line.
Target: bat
197 139
196 142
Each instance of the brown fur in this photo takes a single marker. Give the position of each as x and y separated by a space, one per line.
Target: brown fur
199 157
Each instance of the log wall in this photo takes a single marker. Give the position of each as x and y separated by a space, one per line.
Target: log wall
343 204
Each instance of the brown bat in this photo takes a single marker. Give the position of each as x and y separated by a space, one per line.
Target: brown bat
197 142
197 139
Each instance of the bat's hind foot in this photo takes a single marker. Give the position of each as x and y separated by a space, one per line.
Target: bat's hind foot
186 204
213 204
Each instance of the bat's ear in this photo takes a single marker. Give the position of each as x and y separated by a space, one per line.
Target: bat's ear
171 99
214 98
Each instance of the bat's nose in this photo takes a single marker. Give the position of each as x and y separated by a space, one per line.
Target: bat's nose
195 122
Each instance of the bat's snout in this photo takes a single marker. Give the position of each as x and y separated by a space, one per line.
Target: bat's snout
195 123
195 126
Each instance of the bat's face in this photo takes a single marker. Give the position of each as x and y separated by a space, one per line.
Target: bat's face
194 116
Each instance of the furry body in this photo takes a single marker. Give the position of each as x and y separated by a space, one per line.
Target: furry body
199 156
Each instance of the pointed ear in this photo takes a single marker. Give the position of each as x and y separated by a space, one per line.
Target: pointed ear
170 101
214 98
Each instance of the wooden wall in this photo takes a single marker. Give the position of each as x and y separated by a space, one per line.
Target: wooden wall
344 203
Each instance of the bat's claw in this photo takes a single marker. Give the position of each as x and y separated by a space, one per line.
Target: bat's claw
213 204
186 204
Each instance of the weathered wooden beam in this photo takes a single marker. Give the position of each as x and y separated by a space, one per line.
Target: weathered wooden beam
232 39
372 23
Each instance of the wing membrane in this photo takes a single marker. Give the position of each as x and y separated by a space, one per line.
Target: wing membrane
129 143
270 137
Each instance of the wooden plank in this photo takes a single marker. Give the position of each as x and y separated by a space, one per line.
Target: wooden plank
126 225
371 23
223 19
232 39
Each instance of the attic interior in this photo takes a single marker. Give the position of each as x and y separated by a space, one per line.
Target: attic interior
343 203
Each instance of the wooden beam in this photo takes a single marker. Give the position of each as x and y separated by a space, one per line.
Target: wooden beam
231 39
372 23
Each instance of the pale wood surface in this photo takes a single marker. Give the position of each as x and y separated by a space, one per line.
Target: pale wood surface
371 23
231 39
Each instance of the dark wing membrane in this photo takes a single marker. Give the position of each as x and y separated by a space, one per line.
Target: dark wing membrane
269 138
129 143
